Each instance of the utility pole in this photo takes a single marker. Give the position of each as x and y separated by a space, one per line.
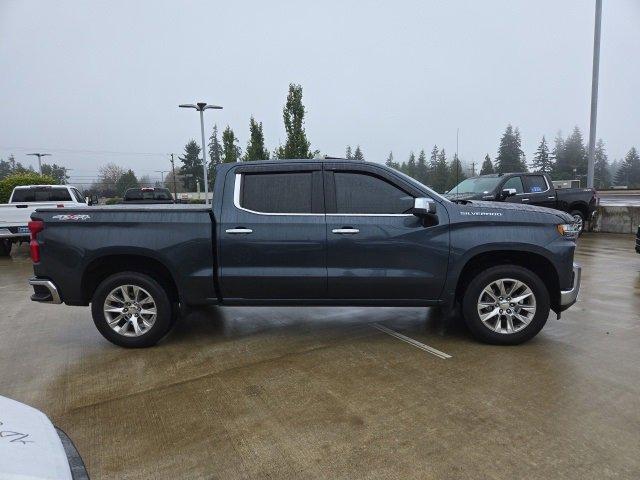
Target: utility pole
175 189
39 155
594 94
473 168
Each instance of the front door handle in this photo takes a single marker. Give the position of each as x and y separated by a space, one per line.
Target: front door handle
525 199
236 231
345 231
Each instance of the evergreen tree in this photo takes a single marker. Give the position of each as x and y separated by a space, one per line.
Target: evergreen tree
348 154
602 177
456 173
411 167
255 146
542 159
390 163
487 166
422 169
126 181
573 160
440 173
191 170
557 156
510 155
215 155
297 145
629 172
230 150
358 155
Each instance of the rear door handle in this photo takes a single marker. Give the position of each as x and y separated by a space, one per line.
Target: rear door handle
525 199
236 231
345 231
551 198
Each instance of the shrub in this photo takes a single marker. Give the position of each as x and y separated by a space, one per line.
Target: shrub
113 201
26 178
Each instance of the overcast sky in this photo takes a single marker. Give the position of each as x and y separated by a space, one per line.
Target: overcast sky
401 75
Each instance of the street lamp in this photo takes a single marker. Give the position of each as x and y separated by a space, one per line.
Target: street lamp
39 155
201 107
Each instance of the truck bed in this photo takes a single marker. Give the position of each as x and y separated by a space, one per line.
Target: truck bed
179 237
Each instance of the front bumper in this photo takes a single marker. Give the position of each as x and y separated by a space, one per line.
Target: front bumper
569 297
44 291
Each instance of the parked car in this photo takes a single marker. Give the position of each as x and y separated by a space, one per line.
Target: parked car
296 232
529 188
15 215
148 195
32 448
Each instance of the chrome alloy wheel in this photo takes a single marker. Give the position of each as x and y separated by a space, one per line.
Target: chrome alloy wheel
506 305
130 310
578 221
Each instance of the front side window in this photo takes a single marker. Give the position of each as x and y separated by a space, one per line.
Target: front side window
536 184
366 194
281 192
514 182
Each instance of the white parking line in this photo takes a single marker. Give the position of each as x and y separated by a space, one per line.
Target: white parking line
411 341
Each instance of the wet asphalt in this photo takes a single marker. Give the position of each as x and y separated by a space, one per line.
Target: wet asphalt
322 393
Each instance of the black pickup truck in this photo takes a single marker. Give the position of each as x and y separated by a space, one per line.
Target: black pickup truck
529 188
308 232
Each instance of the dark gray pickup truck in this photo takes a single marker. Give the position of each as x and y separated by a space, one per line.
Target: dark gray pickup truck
528 188
308 232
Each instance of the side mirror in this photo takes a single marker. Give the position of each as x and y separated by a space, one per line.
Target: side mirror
508 192
88 201
423 206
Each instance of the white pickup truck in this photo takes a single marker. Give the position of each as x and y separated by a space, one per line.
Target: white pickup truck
15 215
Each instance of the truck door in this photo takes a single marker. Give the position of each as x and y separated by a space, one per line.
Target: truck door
539 192
514 182
272 233
376 250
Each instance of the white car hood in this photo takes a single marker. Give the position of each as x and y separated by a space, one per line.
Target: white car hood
30 448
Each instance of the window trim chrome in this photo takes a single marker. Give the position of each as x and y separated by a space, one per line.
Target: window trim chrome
236 203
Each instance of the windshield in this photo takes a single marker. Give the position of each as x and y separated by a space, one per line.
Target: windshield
419 185
476 185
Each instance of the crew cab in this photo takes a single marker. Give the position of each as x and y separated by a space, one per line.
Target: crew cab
23 201
530 188
308 232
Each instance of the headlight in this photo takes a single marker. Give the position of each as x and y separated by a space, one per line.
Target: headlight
569 230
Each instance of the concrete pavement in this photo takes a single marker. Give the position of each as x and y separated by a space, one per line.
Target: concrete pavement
321 393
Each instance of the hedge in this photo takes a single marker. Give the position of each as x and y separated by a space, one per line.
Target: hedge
8 183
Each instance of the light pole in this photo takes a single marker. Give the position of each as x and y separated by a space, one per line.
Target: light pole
201 107
39 155
162 172
594 94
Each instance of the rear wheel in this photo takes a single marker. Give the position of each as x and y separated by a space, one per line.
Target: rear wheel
5 247
506 305
132 310
579 219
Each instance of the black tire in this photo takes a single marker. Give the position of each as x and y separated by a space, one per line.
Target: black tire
164 317
5 247
577 213
484 278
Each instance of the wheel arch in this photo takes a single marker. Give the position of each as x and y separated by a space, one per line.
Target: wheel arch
104 266
537 263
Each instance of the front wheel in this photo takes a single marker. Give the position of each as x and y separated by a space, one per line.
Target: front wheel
506 305
579 219
131 310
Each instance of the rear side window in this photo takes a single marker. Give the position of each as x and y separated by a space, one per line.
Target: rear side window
514 182
366 194
535 183
41 195
287 192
